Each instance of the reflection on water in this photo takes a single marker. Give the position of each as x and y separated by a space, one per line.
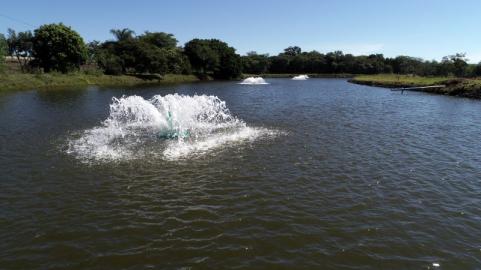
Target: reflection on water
352 177
60 96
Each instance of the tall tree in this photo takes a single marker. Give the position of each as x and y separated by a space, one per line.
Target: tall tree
456 63
201 56
20 46
3 50
292 50
93 48
58 47
477 70
254 63
123 34
213 57
159 39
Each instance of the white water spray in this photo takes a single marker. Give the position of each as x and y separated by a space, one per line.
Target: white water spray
254 81
300 77
171 126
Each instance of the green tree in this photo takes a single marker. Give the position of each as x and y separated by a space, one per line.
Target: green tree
149 59
123 34
455 64
213 57
254 63
292 50
159 39
279 64
93 48
297 64
335 61
406 65
477 70
230 64
110 63
151 52
201 56
3 50
58 47
108 58
20 46
315 62
177 62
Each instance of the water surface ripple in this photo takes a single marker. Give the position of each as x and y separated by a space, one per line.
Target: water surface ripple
359 178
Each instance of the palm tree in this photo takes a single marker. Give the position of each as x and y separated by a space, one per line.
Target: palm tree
123 34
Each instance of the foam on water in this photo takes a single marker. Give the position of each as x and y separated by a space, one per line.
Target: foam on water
180 149
300 77
254 80
174 126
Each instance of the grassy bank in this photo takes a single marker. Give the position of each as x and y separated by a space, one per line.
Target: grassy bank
21 81
393 80
453 86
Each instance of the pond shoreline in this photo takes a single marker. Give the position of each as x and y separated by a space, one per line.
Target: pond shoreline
458 87
45 81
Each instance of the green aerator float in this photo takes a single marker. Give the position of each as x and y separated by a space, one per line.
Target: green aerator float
172 133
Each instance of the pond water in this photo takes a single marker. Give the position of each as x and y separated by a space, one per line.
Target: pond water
292 174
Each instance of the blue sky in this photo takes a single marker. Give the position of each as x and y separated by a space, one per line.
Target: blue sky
424 28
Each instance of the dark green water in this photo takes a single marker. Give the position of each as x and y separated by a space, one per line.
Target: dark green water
316 174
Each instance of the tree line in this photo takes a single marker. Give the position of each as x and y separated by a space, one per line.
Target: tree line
57 47
293 60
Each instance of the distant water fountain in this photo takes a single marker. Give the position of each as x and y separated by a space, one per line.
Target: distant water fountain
254 80
171 126
300 77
